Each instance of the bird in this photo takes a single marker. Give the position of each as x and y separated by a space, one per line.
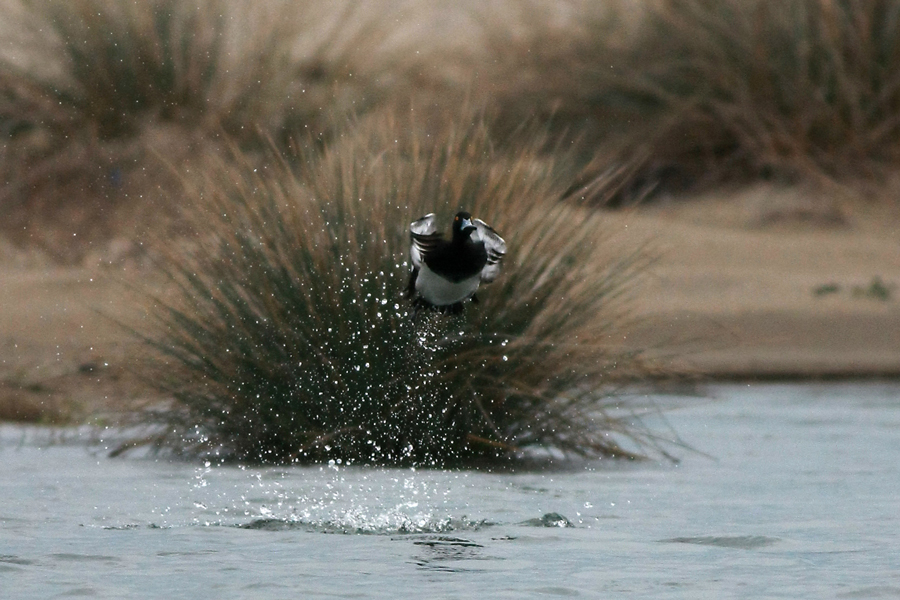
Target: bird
447 273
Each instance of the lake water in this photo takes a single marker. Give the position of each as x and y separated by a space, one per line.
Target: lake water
801 499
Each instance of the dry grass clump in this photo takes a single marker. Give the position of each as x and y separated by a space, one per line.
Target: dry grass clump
789 88
703 91
233 64
123 61
87 87
289 339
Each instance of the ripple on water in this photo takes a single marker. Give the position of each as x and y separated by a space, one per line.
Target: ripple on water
12 559
73 557
878 591
447 554
742 542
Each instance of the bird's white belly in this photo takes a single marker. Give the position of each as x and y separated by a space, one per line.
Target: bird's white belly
442 292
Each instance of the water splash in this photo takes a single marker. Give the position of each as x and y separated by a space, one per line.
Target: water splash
332 498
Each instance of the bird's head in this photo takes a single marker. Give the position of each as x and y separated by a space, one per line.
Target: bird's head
463 225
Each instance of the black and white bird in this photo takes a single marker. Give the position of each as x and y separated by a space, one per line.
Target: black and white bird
447 273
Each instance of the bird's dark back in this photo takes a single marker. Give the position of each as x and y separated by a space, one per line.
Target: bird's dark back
457 262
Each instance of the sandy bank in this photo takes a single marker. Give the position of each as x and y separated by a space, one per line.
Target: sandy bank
764 283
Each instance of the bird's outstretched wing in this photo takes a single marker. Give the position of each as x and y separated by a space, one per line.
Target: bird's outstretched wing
424 236
495 247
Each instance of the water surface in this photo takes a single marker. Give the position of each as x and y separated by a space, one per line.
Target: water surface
800 500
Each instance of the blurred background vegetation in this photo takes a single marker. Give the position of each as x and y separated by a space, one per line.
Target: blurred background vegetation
200 132
668 96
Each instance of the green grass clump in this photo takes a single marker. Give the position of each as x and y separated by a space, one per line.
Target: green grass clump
288 337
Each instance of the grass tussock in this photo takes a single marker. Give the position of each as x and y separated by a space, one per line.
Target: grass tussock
289 340
237 65
88 88
697 92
